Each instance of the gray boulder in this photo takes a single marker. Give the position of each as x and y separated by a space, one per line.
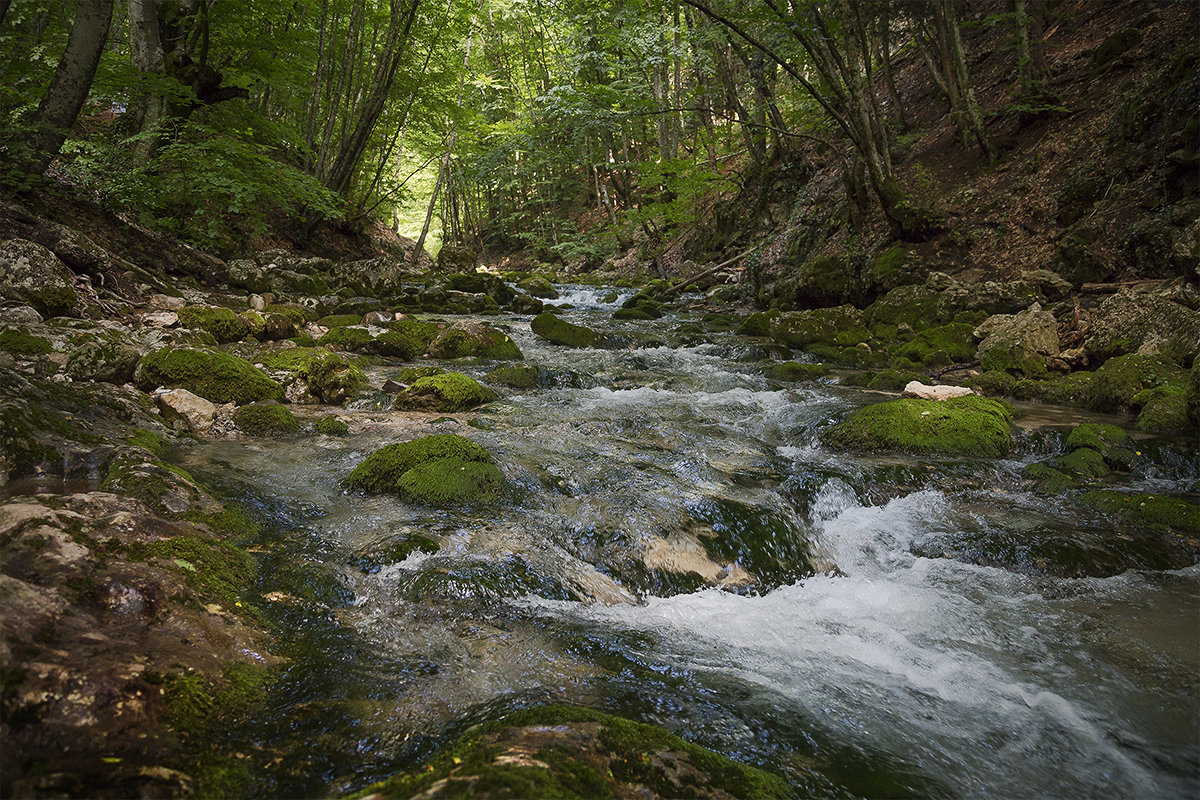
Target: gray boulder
1143 322
1018 343
31 274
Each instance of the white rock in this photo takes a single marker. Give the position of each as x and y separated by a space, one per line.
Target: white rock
257 302
166 302
160 319
924 392
179 404
20 315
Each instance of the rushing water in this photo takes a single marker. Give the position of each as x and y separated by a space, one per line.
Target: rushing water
851 637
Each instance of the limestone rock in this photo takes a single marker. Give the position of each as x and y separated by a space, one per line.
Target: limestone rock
20 315
160 319
926 392
1146 323
1019 343
166 302
29 273
180 405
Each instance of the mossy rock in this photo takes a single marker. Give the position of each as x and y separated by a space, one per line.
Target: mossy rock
449 391
222 323
298 315
346 338
1165 514
1164 408
394 552
1069 390
405 338
580 754
893 267
940 346
331 378
1110 441
794 371
468 339
449 482
215 376
841 325
266 419
966 426
560 332
639 307
443 469
410 375
1192 395
23 344
758 324
1083 462
332 426
1050 481
1119 381
1114 48
340 320
916 306
537 286
517 376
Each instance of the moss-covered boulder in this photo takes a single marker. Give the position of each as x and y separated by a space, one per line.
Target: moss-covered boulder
332 426
222 323
966 426
1018 343
579 754
465 339
443 469
406 338
1164 408
841 325
940 346
449 391
1119 381
29 273
327 376
102 356
893 267
349 338
265 419
758 324
558 331
1083 462
915 306
639 307
1154 511
538 286
213 375
1110 441
24 345
794 371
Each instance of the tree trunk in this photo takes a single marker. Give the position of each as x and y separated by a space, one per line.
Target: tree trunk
69 85
962 96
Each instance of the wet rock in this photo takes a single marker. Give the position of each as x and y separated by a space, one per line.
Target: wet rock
181 406
938 393
316 373
265 419
967 426
524 304
29 273
842 326
221 322
1146 324
794 371
454 259
1018 343
556 751
560 332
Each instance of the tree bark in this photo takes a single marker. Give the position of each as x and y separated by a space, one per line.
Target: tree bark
69 85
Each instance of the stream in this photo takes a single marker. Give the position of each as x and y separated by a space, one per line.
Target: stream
854 631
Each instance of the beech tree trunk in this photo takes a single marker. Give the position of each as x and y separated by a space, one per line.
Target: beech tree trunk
72 79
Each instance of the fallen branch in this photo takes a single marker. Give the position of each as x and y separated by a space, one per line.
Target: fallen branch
672 289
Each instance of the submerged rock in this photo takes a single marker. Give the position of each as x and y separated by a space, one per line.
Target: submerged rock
559 751
442 469
966 426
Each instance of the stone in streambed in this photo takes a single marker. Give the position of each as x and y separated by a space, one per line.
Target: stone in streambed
443 469
925 392
558 331
448 391
966 426
189 410
213 375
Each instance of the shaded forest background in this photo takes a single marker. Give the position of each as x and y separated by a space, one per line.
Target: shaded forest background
662 134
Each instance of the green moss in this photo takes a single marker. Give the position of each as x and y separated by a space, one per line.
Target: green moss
621 758
1068 390
405 338
150 440
893 379
413 374
449 391
518 376
961 426
1110 441
557 331
1119 380
340 320
891 268
456 342
842 325
538 286
448 481
796 371
267 419
215 376
57 300
1154 511
332 426
1164 408
1016 360
24 344
916 306
297 314
1082 463
222 323
232 524
758 324
381 470
346 338
1050 481
330 377
941 346
215 570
